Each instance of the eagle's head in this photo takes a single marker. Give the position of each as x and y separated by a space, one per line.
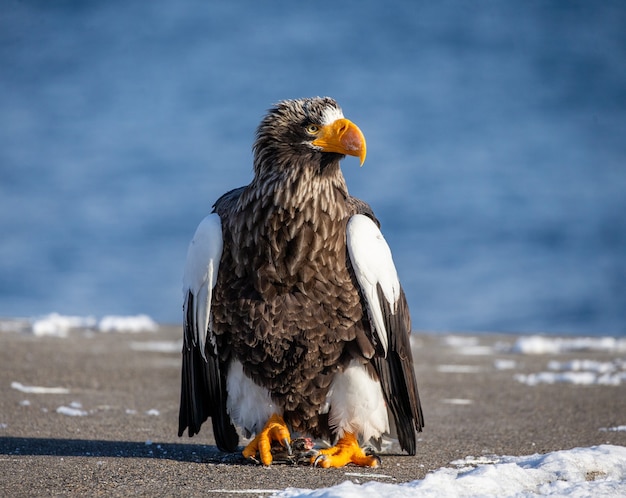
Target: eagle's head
306 131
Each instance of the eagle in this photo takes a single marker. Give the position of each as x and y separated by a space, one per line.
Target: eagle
294 320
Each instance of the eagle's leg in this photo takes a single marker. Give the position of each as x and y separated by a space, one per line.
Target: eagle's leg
347 450
275 430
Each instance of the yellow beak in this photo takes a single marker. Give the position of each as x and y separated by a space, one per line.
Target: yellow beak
342 137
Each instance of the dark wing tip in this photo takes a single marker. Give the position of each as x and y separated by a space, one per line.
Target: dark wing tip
397 375
203 391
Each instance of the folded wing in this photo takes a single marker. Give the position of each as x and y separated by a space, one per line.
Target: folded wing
390 321
203 383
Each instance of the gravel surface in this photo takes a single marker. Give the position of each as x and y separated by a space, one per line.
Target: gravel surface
124 391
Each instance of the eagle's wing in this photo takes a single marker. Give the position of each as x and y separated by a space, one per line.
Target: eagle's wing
203 385
385 301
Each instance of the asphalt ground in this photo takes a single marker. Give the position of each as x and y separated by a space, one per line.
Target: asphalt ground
126 387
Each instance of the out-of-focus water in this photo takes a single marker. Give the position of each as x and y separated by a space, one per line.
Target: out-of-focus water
496 147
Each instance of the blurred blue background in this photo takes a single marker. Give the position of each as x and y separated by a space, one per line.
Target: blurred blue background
496 147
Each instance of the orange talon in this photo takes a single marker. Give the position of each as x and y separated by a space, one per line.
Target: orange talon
275 430
347 450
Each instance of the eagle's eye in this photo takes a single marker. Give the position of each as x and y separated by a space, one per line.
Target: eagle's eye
312 129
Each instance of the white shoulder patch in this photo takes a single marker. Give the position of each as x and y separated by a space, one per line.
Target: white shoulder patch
373 265
200 275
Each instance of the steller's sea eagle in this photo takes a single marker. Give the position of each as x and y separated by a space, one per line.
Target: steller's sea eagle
294 318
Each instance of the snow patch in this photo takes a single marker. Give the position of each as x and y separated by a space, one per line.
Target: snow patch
18 386
472 461
469 346
458 368
599 471
553 345
369 476
504 364
157 346
600 367
74 410
477 351
618 428
460 341
138 323
14 325
56 325
582 372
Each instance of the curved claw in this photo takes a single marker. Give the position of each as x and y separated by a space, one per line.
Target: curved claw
317 459
285 443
